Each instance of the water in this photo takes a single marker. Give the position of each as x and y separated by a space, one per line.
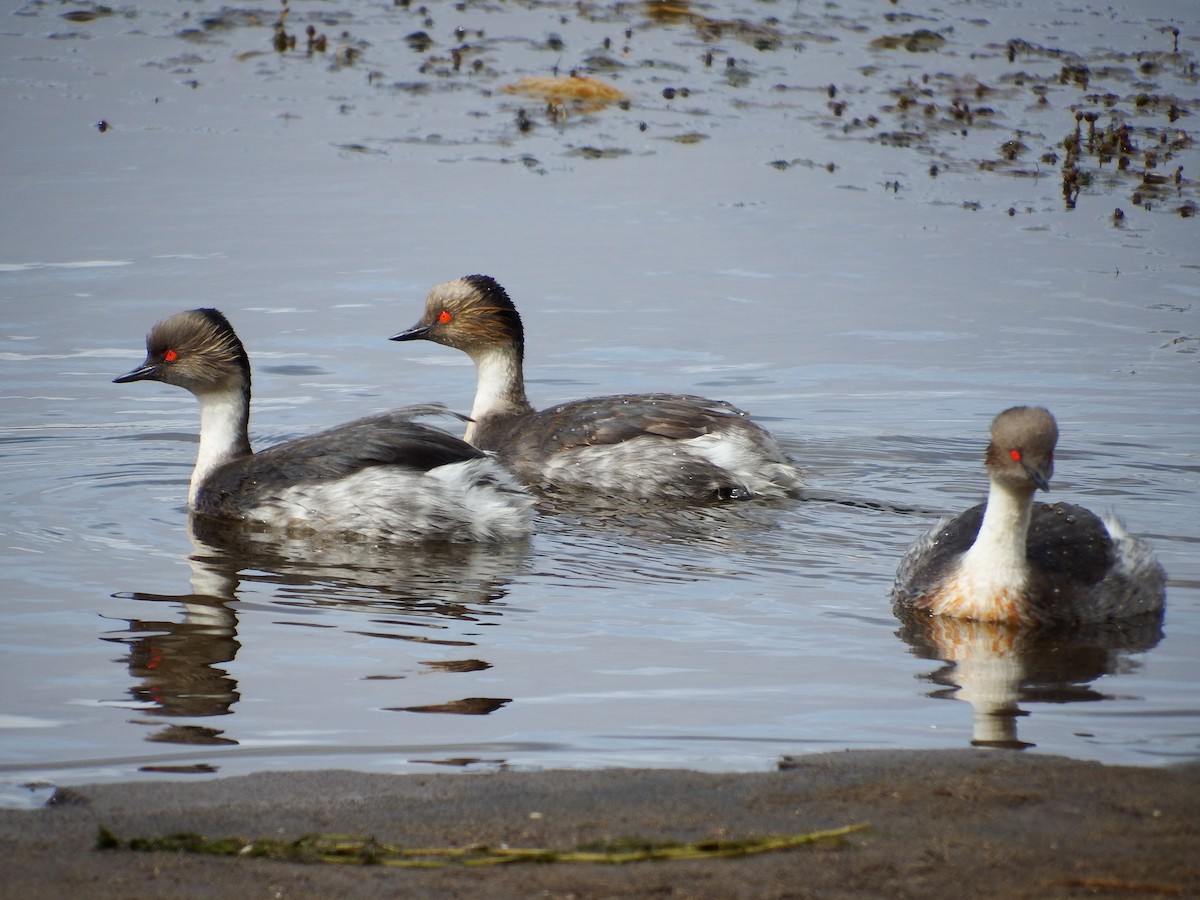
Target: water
752 243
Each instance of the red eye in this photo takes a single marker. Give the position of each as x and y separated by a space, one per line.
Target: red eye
1014 454
444 316
170 356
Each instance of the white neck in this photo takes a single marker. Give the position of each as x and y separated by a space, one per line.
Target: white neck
500 387
223 418
999 549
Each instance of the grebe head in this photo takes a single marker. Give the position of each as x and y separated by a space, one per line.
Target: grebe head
1020 456
196 350
472 314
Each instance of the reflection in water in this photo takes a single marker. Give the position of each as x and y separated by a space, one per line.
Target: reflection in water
436 578
468 706
178 665
602 543
995 666
720 525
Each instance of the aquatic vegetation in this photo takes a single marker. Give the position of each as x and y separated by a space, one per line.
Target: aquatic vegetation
969 97
349 850
920 41
578 91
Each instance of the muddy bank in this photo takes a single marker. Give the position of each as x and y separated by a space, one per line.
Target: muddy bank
941 824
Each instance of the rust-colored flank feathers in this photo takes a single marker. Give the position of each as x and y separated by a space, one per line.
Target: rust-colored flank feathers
1015 561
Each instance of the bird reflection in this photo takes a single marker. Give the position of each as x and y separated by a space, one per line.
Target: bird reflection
438 578
178 662
180 665
996 666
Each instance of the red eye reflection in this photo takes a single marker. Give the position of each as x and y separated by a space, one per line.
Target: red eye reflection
1014 455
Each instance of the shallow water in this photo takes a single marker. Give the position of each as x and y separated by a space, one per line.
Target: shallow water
752 242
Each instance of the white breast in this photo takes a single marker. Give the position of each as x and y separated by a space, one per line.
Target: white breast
476 500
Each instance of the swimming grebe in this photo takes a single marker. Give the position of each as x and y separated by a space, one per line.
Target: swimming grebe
664 446
1013 560
384 477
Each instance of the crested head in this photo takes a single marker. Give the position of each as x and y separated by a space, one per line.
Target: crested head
1021 453
473 314
197 350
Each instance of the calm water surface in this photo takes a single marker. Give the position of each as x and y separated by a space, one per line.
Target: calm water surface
822 224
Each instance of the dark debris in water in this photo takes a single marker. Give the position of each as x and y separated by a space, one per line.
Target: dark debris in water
360 149
468 706
457 665
689 137
1140 158
420 41
599 152
920 41
91 13
784 164
1124 134
1104 123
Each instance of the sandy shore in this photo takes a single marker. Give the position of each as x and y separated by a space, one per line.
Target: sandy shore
942 824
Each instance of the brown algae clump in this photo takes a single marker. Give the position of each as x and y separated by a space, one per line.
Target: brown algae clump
588 94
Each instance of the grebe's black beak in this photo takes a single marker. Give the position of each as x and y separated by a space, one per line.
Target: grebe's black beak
146 372
1037 476
411 334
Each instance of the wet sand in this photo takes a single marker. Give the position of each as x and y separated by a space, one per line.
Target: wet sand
978 823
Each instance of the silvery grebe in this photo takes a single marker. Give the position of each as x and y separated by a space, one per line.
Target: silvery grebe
637 446
1013 560
383 477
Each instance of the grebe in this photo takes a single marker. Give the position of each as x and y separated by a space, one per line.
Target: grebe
383 477
1013 560
638 446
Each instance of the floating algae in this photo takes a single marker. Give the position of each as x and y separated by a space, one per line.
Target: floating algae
587 94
